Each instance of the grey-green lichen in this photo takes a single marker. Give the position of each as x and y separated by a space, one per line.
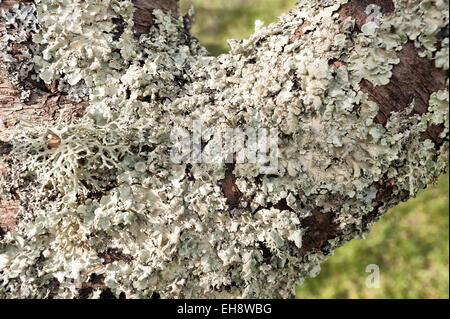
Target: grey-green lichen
20 24
110 182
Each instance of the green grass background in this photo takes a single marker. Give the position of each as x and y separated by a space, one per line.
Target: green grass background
410 244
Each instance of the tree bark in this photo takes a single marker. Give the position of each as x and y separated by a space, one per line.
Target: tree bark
143 16
44 103
413 81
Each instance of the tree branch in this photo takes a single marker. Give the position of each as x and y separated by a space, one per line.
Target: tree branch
357 92
43 105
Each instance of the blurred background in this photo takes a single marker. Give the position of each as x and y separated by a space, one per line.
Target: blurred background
410 244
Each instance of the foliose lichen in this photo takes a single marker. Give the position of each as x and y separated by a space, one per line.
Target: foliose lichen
107 179
20 23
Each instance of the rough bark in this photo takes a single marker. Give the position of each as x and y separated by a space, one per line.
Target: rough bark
43 108
143 17
414 79
44 103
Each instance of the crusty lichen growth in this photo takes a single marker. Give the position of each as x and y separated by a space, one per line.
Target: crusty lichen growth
108 180
20 24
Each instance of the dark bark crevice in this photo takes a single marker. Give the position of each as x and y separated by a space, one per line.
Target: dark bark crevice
413 80
320 227
356 9
229 187
143 16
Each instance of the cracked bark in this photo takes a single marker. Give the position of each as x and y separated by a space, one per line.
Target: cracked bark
414 78
143 17
44 103
43 107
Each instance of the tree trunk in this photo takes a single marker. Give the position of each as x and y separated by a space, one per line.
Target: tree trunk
363 99
44 103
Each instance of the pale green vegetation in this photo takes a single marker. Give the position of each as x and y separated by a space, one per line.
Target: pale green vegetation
410 244
219 20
